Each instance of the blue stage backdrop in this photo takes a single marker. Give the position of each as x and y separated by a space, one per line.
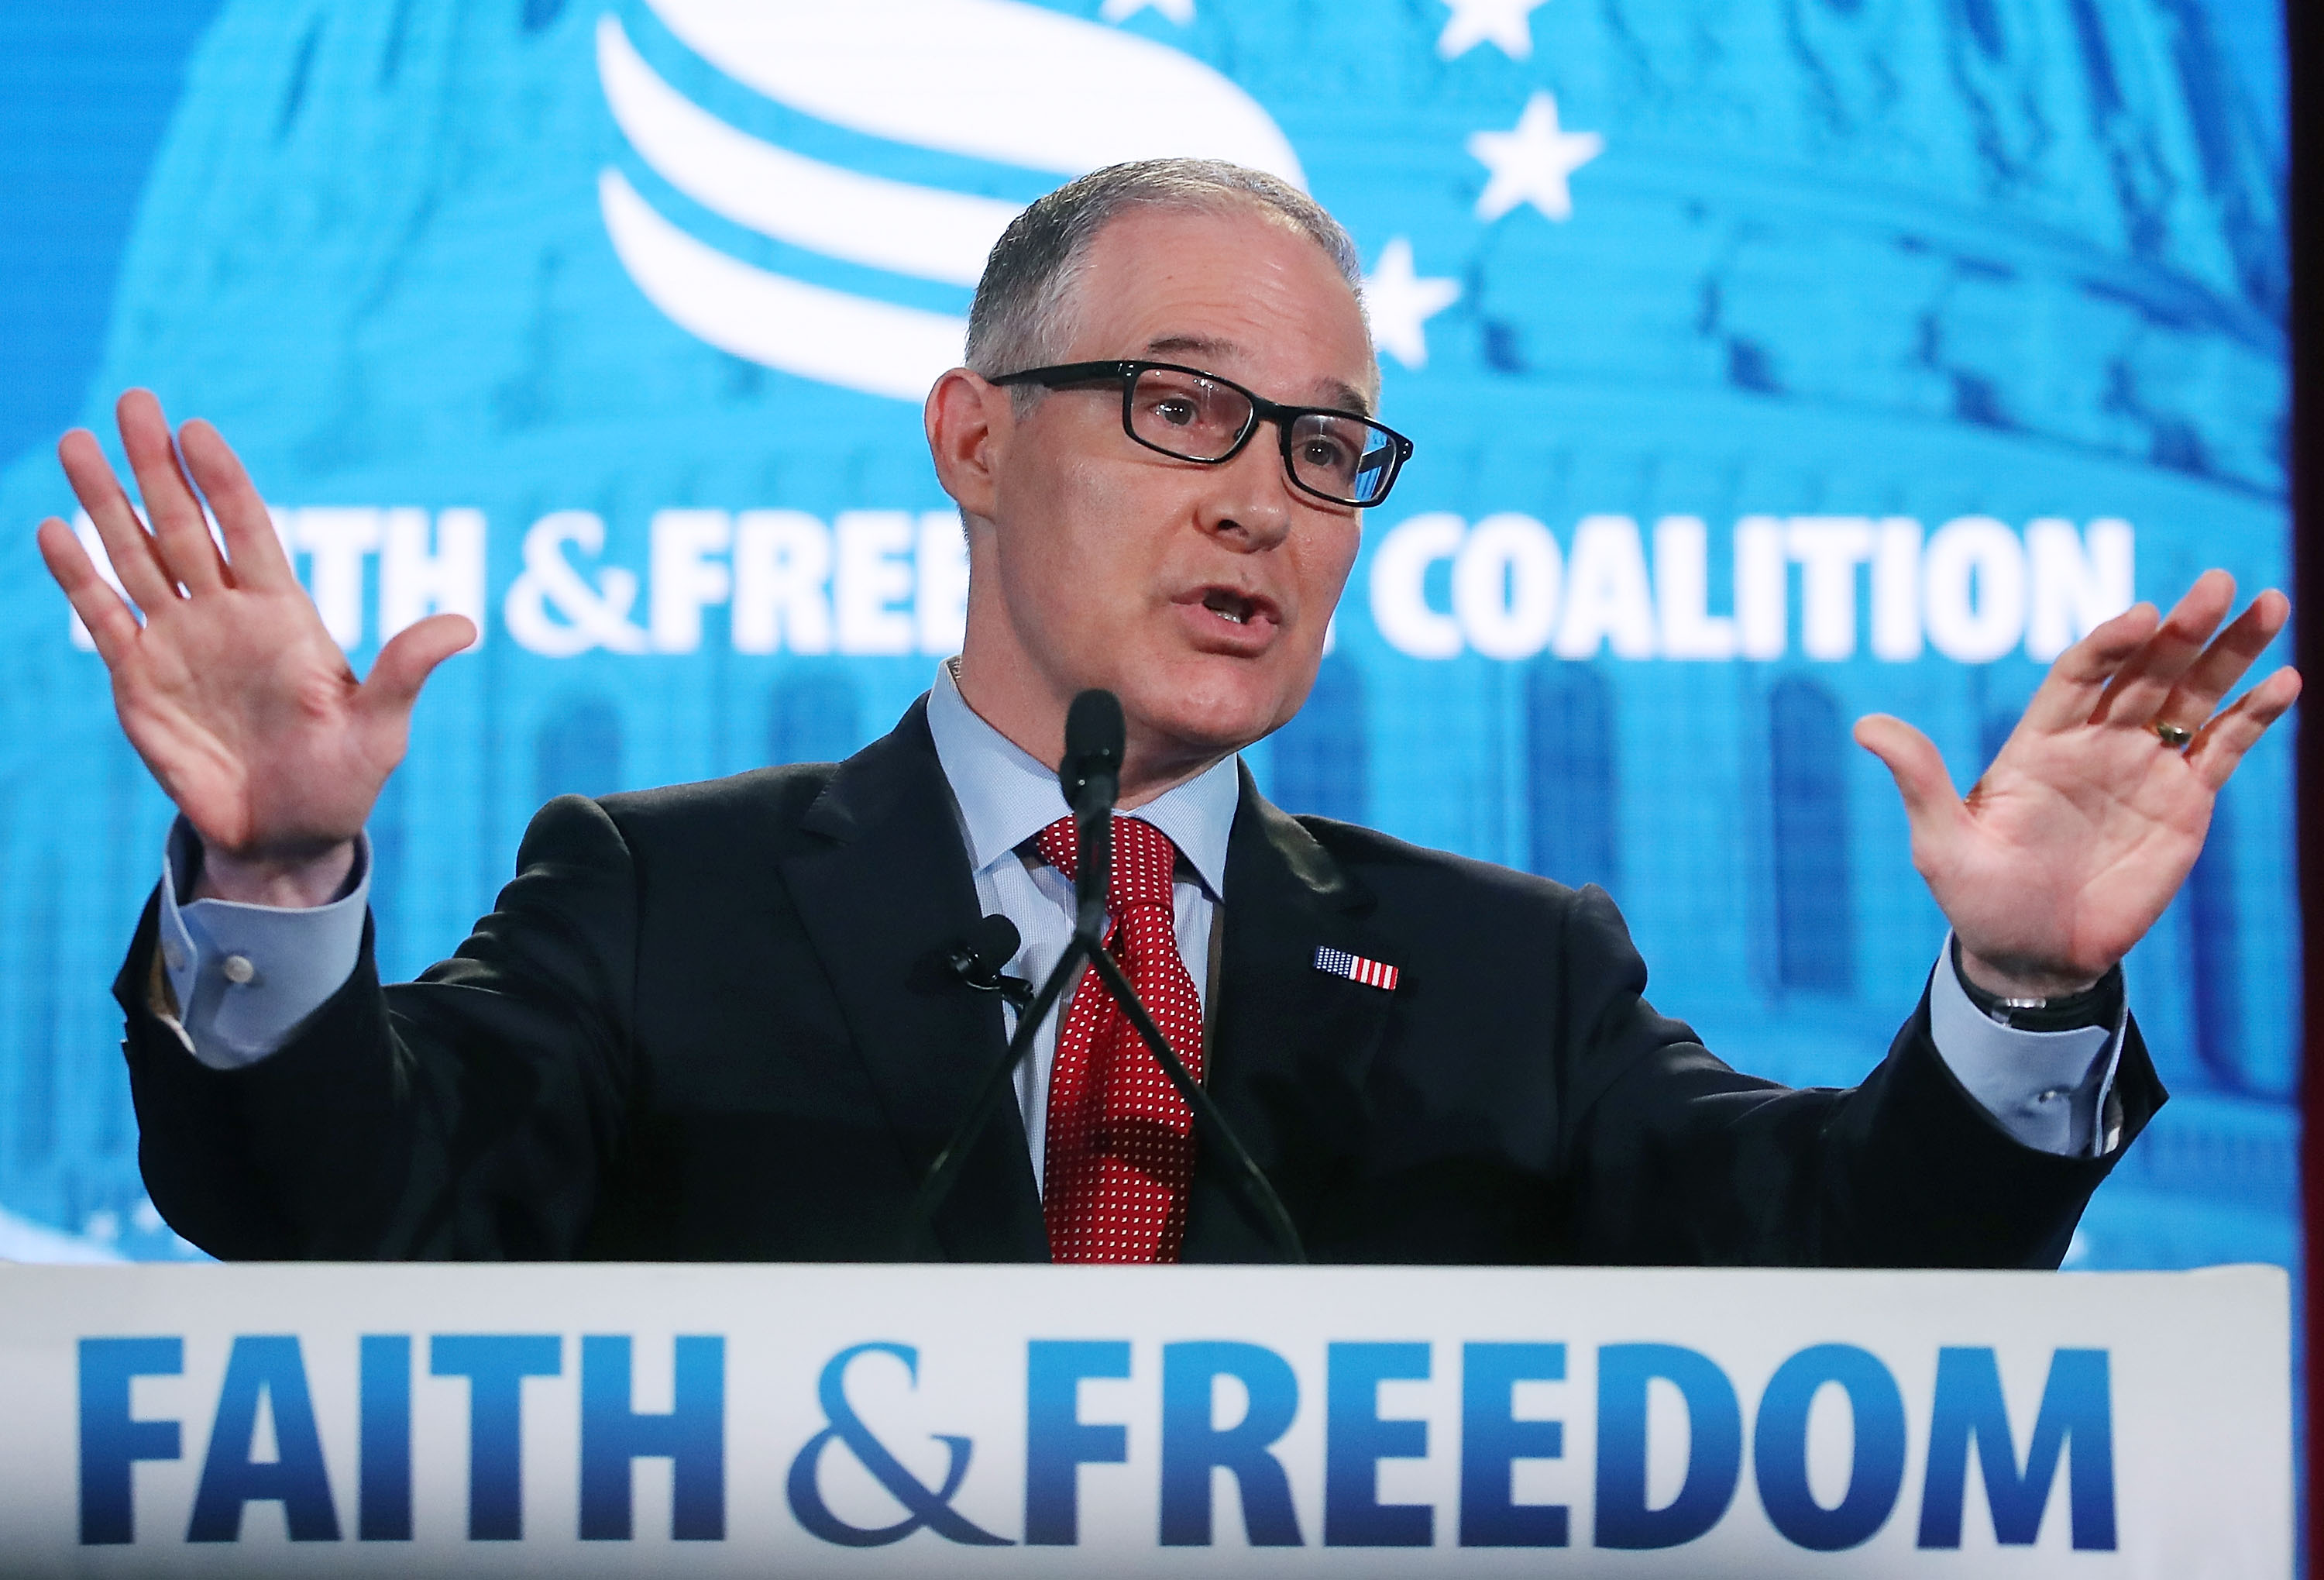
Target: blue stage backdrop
1771 362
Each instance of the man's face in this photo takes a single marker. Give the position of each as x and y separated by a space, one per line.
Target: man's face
1199 594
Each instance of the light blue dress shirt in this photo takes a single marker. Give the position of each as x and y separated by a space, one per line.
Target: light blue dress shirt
244 977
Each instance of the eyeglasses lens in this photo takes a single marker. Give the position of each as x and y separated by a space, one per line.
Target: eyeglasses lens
1342 457
1187 415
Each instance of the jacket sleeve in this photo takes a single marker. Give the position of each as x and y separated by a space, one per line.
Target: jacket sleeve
1671 1157
469 1114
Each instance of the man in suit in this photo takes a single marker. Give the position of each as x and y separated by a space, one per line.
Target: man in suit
716 1021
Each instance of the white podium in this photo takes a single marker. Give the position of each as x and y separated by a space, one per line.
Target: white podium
1010 1421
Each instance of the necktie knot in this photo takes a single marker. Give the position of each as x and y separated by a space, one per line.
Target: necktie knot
1145 861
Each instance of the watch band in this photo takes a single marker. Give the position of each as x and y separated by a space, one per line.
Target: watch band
2098 1004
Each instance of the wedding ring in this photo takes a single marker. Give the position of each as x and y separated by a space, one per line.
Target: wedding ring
2174 736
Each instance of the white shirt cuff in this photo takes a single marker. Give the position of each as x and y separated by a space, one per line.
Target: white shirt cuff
2049 1089
246 976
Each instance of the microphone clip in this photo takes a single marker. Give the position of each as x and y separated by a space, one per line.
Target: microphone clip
977 960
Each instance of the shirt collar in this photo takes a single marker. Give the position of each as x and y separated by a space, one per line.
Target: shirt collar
1006 796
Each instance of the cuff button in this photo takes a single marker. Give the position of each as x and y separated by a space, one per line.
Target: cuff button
238 970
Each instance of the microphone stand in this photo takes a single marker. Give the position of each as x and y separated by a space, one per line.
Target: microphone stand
1090 777
946 1169
1207 1117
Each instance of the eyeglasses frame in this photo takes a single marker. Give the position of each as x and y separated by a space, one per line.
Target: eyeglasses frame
1262 410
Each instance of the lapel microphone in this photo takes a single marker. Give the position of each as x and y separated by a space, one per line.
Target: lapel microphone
977 960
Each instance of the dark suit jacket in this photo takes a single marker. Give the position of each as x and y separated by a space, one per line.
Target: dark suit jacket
713 1021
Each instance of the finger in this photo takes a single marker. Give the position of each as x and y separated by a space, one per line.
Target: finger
1931 804
2222 742
180 532
110 624
253 550
2223 663
135 559
2069 693
2136 695
411 656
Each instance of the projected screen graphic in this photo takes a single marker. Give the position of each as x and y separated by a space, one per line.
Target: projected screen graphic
1769 363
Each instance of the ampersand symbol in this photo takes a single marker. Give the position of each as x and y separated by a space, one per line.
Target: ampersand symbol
593 616
931 1508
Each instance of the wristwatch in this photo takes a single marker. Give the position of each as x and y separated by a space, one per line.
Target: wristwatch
2098 1004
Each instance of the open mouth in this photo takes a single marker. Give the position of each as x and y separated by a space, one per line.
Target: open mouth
1236 608
1228 605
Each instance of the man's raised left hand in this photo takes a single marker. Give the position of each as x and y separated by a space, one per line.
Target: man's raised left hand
2068 849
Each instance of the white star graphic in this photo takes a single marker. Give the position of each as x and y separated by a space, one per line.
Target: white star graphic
1398 301
1181 11
1530 162
1505 22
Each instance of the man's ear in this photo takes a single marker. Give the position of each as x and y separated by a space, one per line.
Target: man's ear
968 423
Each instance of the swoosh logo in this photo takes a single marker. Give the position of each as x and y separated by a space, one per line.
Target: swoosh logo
989 79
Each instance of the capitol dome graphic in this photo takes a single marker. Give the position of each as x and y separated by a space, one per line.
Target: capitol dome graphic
1918 333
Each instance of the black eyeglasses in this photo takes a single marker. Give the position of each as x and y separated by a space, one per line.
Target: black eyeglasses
1183 412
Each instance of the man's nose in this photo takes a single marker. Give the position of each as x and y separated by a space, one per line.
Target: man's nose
1248 505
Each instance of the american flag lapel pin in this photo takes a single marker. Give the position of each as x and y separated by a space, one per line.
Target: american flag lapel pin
1356 968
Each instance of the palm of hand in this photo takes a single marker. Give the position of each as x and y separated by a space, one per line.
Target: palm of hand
247 713
2073 846
231 690
2069 848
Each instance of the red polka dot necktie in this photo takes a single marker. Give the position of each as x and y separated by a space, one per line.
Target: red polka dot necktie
1120 1154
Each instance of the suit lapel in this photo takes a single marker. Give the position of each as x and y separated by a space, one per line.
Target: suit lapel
1293 1046
883 899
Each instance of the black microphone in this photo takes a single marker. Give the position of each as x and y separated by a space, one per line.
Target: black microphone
1091 777
1091 773
977 959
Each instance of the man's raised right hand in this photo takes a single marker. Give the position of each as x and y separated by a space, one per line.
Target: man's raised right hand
238 700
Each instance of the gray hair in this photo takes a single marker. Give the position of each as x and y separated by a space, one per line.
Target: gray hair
1022 314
